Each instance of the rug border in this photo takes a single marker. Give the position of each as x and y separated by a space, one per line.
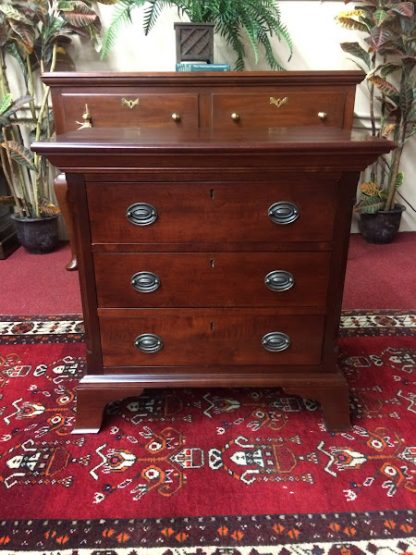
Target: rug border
49 531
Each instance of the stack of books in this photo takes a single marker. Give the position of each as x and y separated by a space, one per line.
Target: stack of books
201 66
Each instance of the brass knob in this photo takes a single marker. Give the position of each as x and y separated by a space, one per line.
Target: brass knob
322 115
235 116
176 116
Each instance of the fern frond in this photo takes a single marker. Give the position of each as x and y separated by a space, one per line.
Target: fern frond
122 15
152 12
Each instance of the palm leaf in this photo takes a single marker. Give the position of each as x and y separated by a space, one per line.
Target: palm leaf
122 15
5 103
151 14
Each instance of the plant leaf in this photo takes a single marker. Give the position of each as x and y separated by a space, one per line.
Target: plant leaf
356 50
380 16
20 154
399 180
352 24
5 103
25 35
387 69
383 84
370 205
78 14
378 38
406 9
13 14
406 99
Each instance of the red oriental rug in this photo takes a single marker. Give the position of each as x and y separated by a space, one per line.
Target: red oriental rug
207 472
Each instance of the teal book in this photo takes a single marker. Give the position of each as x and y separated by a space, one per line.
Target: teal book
198 66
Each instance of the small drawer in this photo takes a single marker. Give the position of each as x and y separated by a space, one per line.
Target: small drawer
153 337
130 109
212 279
293 209
279 108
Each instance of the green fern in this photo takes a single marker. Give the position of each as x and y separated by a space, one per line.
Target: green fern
122 15
259 20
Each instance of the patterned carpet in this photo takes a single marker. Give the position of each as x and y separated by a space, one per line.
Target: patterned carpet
207 472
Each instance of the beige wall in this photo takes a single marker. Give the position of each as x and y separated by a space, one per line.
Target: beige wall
315 34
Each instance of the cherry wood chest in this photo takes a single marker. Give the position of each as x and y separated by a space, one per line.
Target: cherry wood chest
212 246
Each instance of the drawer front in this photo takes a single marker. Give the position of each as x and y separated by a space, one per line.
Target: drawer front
154 337
279 108
212 279
121 109
216 213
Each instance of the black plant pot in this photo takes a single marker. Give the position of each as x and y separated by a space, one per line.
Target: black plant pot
382 226
37 235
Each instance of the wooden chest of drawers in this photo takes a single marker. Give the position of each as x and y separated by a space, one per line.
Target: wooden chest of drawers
212 257
218 101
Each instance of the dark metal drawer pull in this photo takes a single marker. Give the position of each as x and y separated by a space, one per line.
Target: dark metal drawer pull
279 280
145 282
148 343
141 213
283 212
275 341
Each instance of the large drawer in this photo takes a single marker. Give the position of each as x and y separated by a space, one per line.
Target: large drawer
121 109
282 108
209 337
212 279
295 209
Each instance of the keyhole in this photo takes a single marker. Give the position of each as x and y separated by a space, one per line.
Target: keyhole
212 193
212 326
212 262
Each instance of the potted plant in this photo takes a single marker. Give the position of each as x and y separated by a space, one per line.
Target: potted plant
32 37
260 19
387 54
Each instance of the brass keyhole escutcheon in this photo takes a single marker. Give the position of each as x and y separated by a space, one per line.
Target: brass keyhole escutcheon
130 103
279 102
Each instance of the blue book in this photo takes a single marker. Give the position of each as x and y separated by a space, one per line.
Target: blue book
198 66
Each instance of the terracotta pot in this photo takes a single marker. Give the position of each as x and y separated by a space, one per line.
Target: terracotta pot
37 235
382 226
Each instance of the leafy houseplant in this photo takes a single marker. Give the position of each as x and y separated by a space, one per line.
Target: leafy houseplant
32 35
260 19
387 54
